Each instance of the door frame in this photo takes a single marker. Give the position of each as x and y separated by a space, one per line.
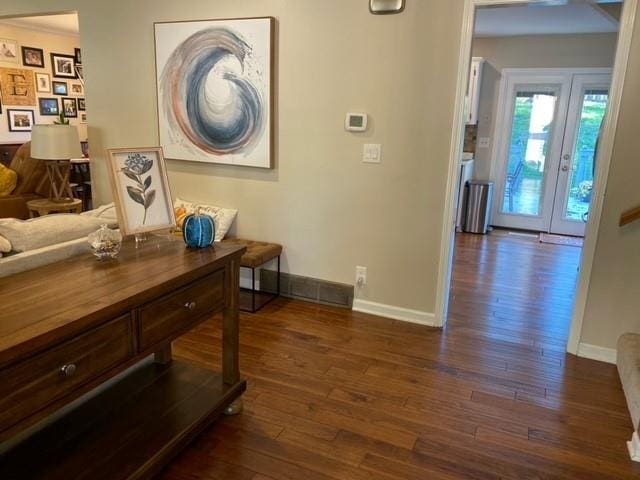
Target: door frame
447 236
504 115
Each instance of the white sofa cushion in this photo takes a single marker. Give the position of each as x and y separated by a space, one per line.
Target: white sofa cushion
5 245
26 235
42 256
222 217
105 212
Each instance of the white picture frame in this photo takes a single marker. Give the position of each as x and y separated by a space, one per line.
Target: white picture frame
8 50
141 190
43 82
20 120
236 128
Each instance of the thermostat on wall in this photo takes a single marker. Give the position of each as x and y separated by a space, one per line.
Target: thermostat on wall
356 122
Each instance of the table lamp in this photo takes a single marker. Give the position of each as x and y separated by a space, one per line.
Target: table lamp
56 145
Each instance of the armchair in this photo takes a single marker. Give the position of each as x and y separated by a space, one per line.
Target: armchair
32 184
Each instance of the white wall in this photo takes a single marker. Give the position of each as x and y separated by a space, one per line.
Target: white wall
49 42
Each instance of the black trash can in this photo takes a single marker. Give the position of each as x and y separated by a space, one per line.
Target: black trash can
478 209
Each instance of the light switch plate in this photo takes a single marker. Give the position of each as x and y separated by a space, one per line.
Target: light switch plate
372 153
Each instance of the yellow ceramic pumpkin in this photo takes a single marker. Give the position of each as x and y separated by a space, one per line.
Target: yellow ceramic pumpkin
181 215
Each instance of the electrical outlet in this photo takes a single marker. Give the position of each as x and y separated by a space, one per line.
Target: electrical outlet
483 142
361 276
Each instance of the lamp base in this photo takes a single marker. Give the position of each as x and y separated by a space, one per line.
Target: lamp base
58 172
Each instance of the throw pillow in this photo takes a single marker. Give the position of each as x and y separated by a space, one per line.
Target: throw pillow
5 245
8 181
222 217
39 232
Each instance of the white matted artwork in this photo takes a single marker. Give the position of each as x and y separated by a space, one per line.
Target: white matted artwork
8 50
141 190
215 90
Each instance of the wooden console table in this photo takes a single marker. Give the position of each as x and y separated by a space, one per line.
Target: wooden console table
72 326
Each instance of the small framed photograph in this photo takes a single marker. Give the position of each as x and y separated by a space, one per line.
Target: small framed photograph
81 105
69 107
83 117
49 106
43 82
141 190
60 88
78 55
32 57
20 120
8 50
77 89
63 66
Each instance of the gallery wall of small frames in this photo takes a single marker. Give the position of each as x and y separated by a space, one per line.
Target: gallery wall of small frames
35 83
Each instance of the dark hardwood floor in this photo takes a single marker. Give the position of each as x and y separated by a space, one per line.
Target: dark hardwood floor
334 394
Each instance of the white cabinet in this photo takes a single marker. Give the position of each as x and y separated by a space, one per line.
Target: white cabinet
473 90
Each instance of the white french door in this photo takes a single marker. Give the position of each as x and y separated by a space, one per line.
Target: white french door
546 138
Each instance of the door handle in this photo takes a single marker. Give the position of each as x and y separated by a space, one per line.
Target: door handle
565 168
566 156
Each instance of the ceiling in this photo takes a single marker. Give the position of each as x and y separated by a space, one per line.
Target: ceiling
66 24
554 17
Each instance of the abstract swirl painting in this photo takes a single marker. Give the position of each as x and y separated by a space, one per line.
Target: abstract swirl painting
215 81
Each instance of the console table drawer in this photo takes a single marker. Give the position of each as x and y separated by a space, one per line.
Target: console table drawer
171 315
32 384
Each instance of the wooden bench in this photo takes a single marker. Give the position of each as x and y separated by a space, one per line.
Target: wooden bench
257 255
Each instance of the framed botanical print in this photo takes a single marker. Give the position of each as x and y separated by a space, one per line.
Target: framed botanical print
32 57
20 120
63 66
141 190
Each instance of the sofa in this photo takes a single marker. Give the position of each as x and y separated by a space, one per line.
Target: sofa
32 184
57 245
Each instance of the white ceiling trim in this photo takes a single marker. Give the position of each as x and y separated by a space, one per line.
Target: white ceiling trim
64 24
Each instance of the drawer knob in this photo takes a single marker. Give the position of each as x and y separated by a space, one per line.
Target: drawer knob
68 370
190 306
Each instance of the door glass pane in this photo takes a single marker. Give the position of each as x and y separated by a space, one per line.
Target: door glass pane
534 112
594 106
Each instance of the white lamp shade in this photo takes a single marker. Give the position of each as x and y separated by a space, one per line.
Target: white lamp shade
55 142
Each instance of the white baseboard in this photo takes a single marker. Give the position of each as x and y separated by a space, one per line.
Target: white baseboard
397 313
634 447
594 352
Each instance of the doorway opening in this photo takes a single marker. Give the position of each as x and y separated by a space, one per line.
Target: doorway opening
545 122
42 81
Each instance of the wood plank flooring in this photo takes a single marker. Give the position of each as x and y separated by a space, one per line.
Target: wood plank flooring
334 394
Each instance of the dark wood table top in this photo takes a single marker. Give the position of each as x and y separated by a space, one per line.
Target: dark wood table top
48 304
